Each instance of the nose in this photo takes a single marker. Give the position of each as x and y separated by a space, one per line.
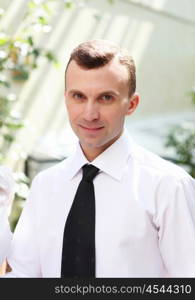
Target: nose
91 111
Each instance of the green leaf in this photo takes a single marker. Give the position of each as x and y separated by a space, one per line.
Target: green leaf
30 41
57 64
19 72
68 4
191 93
4 39
36 52
31 4
8 137
42 20
193 97
14 126
5 83
50 56
182 139
34 65
47 8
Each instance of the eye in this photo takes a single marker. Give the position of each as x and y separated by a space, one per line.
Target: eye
78 96
107 97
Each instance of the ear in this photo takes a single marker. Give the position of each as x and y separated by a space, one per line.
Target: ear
133 103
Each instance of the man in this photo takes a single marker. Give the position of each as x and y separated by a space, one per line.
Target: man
6 195
134 216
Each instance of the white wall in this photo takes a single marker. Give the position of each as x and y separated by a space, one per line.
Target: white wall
159 34
162 41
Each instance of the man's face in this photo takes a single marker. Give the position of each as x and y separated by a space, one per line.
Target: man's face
97 102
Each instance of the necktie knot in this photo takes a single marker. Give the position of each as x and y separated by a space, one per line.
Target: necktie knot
89 172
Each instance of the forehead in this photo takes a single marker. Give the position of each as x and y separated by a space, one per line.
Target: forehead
113 74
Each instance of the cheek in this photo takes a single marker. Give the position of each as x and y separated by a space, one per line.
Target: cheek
73 111
115 115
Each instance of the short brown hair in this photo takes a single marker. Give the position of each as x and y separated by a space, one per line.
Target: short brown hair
97 53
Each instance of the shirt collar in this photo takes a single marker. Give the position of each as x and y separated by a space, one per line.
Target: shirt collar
112 161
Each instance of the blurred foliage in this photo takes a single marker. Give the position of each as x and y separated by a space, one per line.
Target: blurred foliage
19 56
22 191
181 139
19 52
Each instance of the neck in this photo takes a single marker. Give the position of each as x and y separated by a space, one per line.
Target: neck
92 152
91 155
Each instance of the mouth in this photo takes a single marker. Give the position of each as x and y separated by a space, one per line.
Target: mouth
91 129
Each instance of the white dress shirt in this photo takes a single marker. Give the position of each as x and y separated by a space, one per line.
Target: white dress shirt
6 195
145 216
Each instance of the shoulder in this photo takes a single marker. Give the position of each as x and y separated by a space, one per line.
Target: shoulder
155 165
163 186
53 173
160 176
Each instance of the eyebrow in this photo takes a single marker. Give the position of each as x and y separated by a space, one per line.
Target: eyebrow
110 92
102 93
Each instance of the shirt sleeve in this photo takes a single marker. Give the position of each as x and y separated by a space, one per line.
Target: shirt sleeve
5 234
176 223
7 187
23 256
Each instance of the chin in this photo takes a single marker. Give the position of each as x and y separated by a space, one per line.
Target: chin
91 144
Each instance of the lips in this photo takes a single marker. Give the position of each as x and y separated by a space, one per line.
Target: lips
91 129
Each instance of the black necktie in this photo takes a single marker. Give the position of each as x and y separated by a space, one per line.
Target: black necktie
78 255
